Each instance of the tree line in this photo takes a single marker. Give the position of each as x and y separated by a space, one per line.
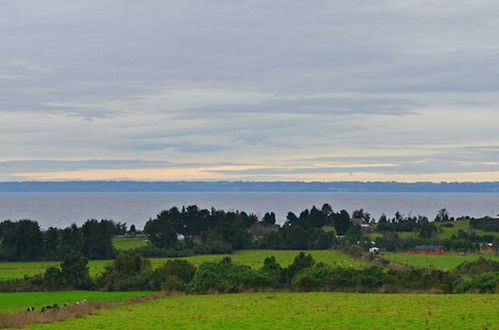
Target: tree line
24 240
192 230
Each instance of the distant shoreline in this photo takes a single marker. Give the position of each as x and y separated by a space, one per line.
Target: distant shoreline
245 186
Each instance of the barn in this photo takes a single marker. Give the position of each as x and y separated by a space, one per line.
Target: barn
429 249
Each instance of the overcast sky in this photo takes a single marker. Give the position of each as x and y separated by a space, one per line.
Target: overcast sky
251 90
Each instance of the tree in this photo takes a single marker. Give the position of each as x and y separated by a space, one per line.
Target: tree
353 234
398 217
327 210
51 243
341 222
361 214
427 230
97 239
294 237
382 218
174 275
4 227
300 262
442 215
74 271
128 271
291 218
71 240
160 233
23 240
269 218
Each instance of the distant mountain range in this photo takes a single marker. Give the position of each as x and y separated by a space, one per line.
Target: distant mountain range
243 186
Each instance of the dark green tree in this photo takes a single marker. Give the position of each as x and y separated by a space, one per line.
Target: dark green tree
74 271
97 239
269 218
160 233
427 230
342 222
23 240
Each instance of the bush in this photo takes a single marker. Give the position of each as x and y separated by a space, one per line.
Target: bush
129 271
74 271
484 283
476 267
333 278
272 272
226 276
174 275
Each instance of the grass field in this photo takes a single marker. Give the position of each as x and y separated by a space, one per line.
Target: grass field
127 243
18 302
253 258
298 311
445 261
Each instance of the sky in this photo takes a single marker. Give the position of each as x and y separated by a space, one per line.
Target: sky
249 90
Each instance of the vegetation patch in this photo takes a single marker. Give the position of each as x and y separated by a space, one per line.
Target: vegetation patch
253 258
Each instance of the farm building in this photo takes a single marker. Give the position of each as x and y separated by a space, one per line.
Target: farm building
429 249
366 228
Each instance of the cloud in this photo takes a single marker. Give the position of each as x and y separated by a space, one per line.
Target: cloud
144 85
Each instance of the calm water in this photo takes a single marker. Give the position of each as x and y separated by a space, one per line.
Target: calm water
61 209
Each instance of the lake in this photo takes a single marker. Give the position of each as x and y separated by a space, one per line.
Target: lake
62 209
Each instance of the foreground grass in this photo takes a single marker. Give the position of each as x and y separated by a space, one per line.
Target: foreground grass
18 302
444 261
298 311
252 258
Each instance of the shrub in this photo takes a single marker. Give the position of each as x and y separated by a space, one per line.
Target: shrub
479 266
332 278
174 275
129 271
483 283
272 271
226 276
74 271
300 262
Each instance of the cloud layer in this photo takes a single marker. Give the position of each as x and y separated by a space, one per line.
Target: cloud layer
249 90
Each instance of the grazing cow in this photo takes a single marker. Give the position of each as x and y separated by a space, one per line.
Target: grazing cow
30 309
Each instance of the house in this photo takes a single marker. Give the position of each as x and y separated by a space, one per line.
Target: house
260 228
366 228
429 249
358 221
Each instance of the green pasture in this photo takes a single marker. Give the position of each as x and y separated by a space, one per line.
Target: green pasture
443 233
443 261
252 258
128 243
317 310
18 302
